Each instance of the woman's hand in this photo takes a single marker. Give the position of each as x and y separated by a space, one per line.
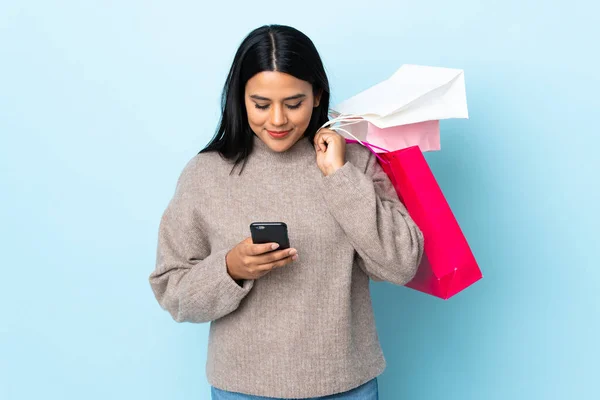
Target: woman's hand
252 261
331 150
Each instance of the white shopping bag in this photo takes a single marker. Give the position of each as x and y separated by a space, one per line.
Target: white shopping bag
413 94
394 113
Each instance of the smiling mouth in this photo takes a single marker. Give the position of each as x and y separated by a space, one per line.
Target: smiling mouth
279 134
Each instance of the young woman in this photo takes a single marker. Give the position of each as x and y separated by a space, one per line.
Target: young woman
293 323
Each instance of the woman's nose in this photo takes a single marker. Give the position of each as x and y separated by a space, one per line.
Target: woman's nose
278 117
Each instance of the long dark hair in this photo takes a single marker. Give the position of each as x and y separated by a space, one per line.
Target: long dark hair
268 48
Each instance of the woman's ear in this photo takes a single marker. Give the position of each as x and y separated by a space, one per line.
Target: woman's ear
318 98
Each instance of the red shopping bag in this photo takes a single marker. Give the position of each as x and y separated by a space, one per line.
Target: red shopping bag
448 264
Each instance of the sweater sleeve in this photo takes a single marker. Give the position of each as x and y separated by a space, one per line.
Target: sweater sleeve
190 281
388 243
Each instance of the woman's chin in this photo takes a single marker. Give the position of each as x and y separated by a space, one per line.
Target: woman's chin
281 145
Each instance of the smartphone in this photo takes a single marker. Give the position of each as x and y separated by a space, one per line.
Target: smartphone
268 232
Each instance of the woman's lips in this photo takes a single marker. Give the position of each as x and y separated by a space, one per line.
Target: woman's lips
278 134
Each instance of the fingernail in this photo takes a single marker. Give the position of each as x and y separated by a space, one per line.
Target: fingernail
293 251
274 246
295 257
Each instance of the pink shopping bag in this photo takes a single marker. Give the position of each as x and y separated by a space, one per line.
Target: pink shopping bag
448 264
424 134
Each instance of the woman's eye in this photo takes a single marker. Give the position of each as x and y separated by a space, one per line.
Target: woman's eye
291 107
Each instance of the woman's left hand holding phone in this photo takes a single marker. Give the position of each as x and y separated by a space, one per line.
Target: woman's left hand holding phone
252 261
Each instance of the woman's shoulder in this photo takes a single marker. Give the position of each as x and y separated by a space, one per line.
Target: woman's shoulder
203 170
359 155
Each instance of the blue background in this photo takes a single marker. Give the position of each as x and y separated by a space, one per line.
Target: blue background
103 103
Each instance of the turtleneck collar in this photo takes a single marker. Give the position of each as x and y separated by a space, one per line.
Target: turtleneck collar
302 149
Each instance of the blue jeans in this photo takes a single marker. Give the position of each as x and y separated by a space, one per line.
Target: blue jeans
367 391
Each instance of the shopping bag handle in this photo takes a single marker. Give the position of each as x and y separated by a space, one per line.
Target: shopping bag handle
351 119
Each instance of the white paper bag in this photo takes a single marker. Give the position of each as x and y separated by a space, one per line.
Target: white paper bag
414 93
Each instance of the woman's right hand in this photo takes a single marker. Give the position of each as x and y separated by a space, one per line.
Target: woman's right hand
252 261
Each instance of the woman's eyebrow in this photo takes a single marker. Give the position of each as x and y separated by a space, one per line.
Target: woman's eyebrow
294 97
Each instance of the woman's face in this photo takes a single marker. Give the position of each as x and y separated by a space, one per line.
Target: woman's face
279 108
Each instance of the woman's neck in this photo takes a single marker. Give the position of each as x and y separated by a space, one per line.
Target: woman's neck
299 150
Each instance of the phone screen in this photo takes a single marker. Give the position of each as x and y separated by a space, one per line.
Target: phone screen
270 232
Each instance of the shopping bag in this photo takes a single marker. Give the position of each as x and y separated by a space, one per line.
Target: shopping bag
424 134
405 109
448 265
397 120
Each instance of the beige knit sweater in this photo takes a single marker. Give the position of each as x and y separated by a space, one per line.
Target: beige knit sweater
307 329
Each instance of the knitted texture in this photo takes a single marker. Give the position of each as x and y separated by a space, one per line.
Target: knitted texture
306 329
